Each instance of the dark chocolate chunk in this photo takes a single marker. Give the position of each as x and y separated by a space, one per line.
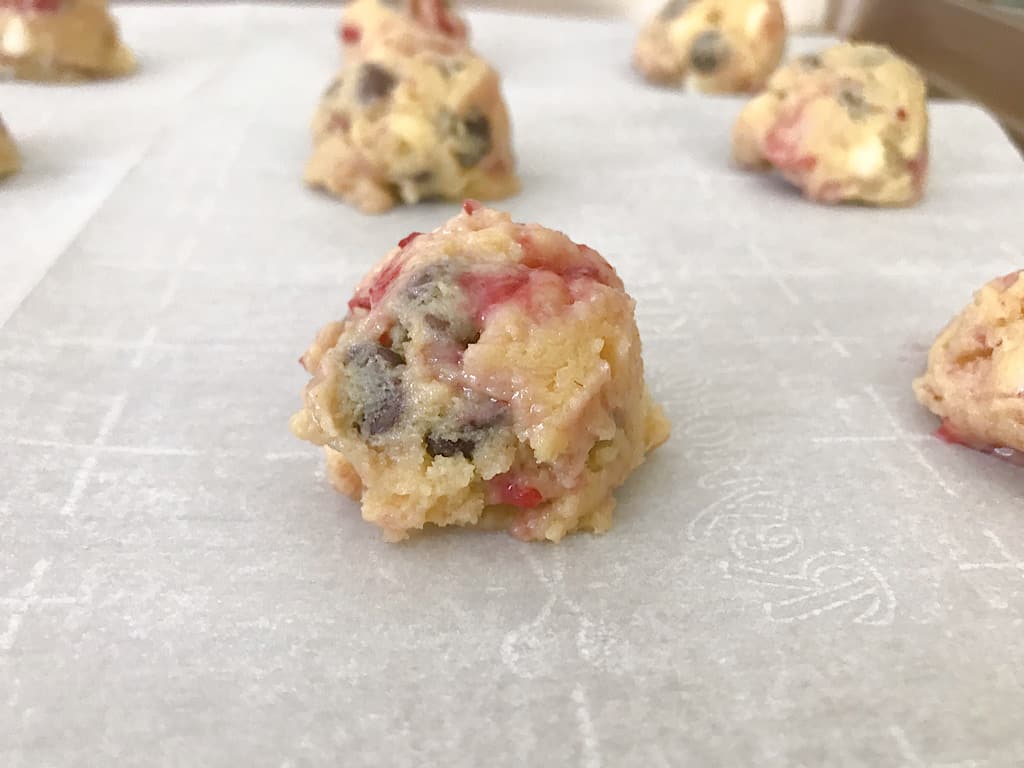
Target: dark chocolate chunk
708 51
436 323
424 286
472 138
851 97
461 434
374 385
432 297
371 354
375 82
443 446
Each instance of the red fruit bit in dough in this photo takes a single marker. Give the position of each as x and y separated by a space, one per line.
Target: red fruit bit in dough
26 6
408 239
435 13
444 20
380 286
510 489
901 114
583 262
359 301
947 434
471 206
919 168
339 122
782 143
485 291
350 34
1007 281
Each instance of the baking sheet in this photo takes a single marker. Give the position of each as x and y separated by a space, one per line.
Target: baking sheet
801 576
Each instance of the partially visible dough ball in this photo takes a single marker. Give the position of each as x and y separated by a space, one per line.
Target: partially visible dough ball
400 129
487 373
975 376
847 125
10 162
61 40
715 46
409 26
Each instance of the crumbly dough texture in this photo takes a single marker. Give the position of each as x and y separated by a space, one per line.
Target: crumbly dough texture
61 40
400 129
975 375
409 26
847 125
10 161
714 46
487 373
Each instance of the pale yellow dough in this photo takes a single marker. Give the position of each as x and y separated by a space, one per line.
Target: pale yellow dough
975 375
61 40
400 129
714 46
849 124
10 161
488 373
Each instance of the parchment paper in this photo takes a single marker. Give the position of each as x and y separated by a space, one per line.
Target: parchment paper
802 576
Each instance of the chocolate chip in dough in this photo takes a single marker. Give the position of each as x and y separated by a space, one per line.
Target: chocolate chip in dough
480 418
708 51
375 82
444 446
374 384
851 97
473 142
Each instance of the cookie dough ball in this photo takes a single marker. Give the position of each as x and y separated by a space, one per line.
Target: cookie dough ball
975 376
10 162
715 46
847 125
62 40
487 373
409 26
397 128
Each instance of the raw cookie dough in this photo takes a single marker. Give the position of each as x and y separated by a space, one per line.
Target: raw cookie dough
62 40
487 373
397 128
975 376
715 46
848 124
10 162
407 25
